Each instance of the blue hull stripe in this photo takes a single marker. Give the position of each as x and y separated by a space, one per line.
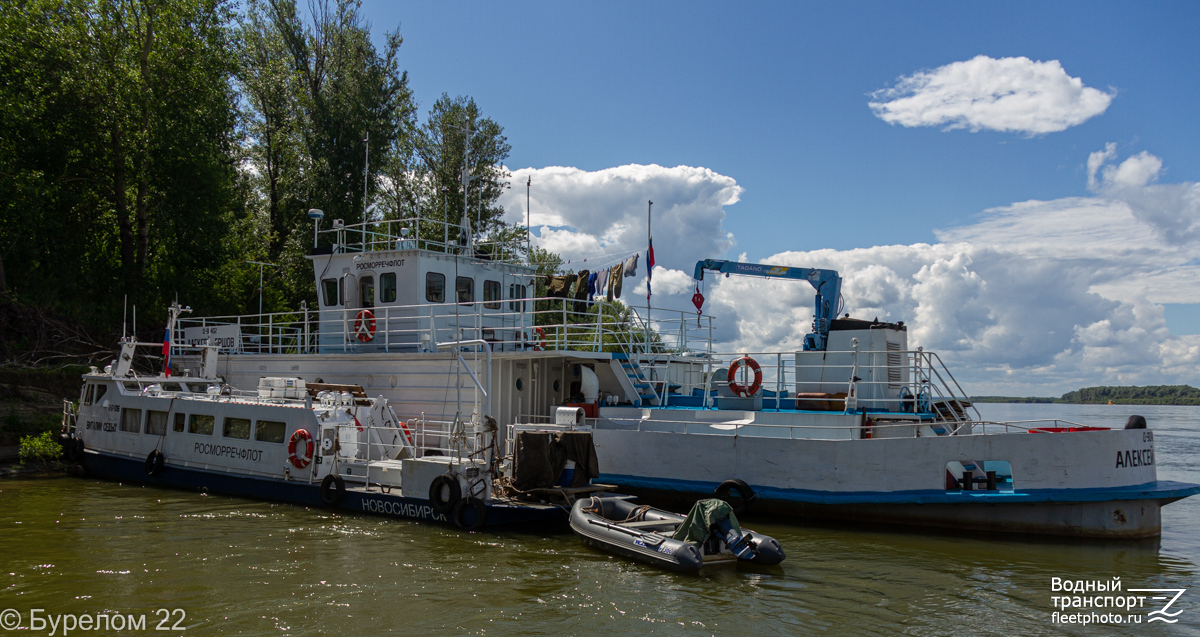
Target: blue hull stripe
303 493
1161 490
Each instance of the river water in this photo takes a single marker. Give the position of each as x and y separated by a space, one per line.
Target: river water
234 566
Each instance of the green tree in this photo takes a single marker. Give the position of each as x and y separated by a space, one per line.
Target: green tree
348 93
456 140
118 130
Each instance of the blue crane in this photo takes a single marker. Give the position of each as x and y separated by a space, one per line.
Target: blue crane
827 282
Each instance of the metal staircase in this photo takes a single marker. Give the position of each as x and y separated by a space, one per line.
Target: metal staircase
631 376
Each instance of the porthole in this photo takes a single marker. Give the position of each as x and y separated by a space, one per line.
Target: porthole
520 384
556 385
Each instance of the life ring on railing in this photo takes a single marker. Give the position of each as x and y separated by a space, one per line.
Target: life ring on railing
364 326
731 377
540 345
300 460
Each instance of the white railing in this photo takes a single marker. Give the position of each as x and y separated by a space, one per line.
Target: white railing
508 325
416 233
856 431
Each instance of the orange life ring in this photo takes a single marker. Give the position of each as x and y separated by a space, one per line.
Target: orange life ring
300 460
732 376
364 326
541 344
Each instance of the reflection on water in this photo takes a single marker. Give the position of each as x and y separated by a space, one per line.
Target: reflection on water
78 545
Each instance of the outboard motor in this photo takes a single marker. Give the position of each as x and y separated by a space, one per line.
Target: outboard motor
738 544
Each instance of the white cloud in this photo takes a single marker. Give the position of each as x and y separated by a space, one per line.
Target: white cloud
602 214
1007 95
1034 298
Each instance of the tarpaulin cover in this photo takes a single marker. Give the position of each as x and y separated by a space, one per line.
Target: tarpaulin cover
704 514
541 457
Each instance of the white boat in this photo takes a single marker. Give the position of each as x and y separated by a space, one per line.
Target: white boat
308 443
856 425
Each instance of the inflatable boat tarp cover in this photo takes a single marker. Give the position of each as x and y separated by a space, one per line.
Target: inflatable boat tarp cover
541 457
700 520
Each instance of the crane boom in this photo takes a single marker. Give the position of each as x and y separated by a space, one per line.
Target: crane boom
827 282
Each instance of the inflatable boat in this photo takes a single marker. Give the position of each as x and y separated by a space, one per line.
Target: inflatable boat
708 534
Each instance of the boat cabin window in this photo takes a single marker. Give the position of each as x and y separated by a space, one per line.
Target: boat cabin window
156 423
491 295
200 424
330 289
236 428
172 387
269 431
465 287
179 418
516 292
435 287
91 390
100 391
133 385
387 287
366 291
131 420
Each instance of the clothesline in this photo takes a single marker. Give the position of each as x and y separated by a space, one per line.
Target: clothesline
623 256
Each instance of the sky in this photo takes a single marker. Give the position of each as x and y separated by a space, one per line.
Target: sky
1017 182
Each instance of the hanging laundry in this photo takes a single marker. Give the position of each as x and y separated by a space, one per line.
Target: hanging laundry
602 282
631 264
581 293
559 286
615 284
591 286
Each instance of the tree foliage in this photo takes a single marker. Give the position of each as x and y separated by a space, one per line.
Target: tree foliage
117 145
152 148
1149 395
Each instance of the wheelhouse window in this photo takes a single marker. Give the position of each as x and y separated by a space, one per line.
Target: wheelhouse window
435 287
269 431
200 424
387 287
491 295
131 420
516 292
236 428
330 289
91 392
366 291
100 391
156 423
179 420
465 287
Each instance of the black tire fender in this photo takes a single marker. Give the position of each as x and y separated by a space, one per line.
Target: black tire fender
155 462
745 495
333 490
463 517
446 504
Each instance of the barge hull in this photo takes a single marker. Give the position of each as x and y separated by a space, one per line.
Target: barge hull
124 469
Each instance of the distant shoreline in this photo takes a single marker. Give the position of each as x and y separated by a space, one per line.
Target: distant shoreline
979 400
1181 395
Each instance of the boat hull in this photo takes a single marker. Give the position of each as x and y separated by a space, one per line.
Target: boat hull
128 469
1073 484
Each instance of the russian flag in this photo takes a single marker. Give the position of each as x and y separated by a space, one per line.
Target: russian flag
649 267
167 353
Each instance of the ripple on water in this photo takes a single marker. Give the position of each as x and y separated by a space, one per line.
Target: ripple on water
236 565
